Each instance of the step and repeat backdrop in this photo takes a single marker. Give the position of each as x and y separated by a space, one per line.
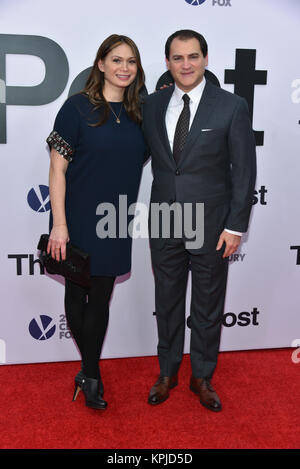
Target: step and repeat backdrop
46 49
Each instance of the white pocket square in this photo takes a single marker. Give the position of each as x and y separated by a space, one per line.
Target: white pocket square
206 130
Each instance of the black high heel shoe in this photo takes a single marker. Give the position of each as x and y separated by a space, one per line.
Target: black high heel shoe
92 392
79 378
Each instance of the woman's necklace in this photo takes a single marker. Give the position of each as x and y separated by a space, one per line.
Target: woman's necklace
116 116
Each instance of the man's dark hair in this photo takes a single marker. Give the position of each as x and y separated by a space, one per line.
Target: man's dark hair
185 34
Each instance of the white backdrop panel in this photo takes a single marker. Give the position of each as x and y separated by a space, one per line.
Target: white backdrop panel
262 303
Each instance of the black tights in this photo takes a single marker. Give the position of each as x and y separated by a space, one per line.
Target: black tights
87 312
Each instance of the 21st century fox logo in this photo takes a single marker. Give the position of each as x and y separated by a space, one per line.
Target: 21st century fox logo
43 327
220 3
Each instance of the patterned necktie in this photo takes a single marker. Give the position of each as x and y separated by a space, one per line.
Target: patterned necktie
182 129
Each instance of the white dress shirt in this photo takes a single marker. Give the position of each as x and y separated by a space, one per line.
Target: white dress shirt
174 110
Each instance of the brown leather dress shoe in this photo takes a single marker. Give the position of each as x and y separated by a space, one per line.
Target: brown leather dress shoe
208 396
160 391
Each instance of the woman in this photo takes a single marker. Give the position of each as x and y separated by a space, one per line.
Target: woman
97 154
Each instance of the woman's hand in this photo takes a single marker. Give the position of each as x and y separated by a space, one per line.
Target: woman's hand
59 236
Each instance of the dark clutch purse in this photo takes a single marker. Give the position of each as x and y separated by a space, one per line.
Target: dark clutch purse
76 267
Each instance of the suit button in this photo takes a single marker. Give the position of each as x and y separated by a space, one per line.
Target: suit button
177 172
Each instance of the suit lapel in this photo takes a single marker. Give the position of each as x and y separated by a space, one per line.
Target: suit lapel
161 110
202 115
203 112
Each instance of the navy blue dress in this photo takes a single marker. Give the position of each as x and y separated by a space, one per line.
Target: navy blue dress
104 163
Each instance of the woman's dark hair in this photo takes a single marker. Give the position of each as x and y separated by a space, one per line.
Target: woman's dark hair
95 82
185 34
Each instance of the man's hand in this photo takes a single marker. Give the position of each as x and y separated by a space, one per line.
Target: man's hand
231 241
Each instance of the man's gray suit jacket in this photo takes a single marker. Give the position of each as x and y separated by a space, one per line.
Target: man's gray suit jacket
217 166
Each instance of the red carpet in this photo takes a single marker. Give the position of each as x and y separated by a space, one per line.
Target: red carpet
259 391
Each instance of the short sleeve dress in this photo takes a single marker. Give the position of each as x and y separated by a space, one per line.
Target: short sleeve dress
104 172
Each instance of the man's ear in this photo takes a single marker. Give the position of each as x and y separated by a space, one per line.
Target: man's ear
168 64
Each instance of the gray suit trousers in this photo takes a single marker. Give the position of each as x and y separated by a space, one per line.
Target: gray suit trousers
171 266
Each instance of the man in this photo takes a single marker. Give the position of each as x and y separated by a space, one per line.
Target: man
203 151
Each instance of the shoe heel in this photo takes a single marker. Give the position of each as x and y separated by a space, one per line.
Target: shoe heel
76 392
